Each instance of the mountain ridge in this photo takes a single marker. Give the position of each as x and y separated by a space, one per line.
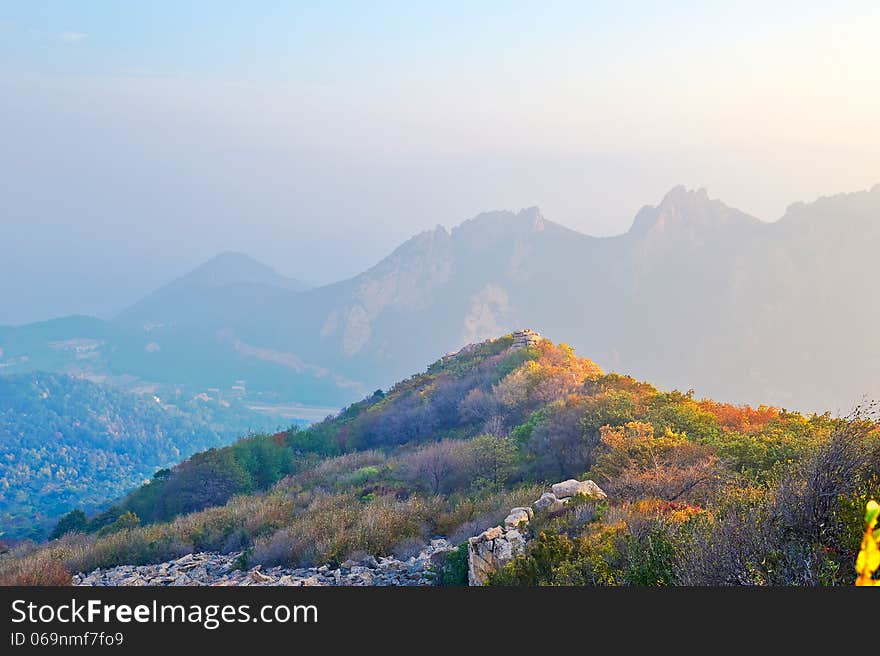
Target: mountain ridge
766 292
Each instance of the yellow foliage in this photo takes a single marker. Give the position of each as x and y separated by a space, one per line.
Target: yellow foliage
868 560
557 372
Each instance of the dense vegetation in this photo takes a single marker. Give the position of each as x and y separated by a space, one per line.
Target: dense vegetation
69 443
699 492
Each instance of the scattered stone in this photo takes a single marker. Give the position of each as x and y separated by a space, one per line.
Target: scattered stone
490 534
487 551
516 517
220 570
526 509
260 578
546 502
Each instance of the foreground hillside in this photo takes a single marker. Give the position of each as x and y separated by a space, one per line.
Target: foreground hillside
68 443
698 492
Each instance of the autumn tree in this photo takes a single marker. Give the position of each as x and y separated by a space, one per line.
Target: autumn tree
635 464
555 374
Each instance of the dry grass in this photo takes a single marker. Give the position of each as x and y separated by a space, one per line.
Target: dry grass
209 530
38 568
469 518
336 526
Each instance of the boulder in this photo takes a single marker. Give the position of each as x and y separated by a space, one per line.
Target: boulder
183 560
490 534
573 487
526 509
502 553
544 502
517 517
548 503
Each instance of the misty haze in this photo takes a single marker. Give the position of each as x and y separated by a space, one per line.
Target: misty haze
409 295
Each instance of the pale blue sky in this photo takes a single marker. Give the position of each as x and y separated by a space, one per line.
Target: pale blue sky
141 138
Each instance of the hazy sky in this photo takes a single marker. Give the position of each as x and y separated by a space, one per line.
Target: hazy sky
139 139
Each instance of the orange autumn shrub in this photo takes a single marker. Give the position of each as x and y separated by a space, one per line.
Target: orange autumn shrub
740 418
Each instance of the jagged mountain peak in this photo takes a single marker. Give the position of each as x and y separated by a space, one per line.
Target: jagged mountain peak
825 209
482 229
687 209
418 245
489 226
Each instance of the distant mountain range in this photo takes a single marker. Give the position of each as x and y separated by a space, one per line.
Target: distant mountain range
695 293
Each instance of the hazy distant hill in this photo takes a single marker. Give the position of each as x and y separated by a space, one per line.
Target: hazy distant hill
694 294
235 274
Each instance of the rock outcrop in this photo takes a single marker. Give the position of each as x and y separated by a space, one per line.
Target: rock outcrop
222 570
490 550
497 546
525 338
521 339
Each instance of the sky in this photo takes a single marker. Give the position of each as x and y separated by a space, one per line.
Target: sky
139 139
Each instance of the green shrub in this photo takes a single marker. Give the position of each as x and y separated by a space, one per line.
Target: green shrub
454 568
73 522
244 559
536 567
126 520
651 559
